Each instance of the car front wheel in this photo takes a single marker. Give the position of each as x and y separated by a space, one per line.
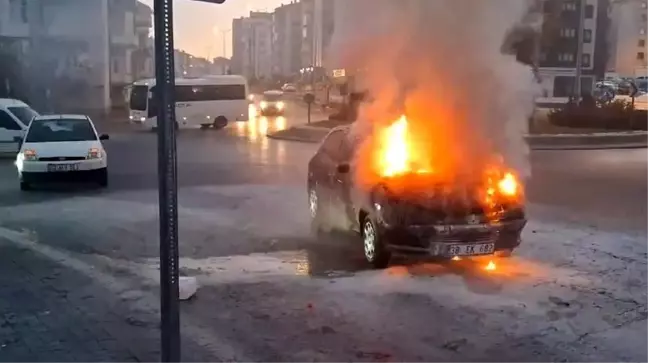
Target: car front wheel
375 251
24 186
102 178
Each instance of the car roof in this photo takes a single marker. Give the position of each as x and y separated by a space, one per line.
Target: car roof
61 116
9 102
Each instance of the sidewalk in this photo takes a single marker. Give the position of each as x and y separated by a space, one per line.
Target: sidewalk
50 312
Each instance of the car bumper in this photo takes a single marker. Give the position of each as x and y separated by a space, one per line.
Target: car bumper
272 111
63 177
42 166
438 240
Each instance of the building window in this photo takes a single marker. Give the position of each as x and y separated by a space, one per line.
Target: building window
23 11
569 6
586 61
567 32
642 31
589 12
642 42
566 57
587 35
641 56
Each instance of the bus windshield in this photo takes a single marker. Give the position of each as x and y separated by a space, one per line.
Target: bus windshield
138 98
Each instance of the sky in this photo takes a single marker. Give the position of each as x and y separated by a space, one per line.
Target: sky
195 23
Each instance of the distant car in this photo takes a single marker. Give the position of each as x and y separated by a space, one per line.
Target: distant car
289 87
15 117
272 103
62 148
443 221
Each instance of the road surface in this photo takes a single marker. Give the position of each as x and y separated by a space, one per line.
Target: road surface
79 271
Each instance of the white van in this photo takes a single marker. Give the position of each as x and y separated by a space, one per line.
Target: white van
207 102
15 117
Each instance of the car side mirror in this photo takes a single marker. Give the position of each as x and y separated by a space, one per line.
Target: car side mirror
343 168
103 137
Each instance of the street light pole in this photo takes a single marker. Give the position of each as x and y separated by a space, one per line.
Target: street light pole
579 51
164 92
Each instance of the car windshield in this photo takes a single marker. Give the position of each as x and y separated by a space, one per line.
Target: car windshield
61 130
272 97
23 113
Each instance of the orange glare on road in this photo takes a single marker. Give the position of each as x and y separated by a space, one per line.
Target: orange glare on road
491 266
456 258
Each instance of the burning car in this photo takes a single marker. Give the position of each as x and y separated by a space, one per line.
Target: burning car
409 208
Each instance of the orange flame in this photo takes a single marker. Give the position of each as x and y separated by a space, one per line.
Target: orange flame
397 155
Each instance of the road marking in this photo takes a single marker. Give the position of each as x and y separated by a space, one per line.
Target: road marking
206 338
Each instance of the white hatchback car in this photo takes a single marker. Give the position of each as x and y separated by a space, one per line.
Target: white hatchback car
62 148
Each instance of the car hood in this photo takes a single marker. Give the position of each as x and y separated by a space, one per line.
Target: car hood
72 148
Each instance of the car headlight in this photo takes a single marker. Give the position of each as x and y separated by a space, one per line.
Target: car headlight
29 155
281 105
94 153
508 185
263 104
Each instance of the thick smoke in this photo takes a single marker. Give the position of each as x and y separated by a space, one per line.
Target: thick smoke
440 62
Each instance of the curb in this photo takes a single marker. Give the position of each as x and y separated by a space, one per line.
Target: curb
314 134
593 141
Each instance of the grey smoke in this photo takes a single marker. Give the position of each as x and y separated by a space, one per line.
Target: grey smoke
442 59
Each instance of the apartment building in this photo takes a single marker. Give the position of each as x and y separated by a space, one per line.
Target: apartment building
287 39
559 45
627 38
143 56
318 26
252 45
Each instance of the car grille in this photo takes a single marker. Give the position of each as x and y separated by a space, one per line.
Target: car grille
63 158
452 208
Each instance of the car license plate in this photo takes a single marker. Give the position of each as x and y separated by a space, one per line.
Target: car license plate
471 249
62 167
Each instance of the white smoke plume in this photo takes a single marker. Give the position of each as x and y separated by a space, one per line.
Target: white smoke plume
440 62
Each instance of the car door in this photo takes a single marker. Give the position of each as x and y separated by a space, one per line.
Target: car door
343 181
324 165
10 131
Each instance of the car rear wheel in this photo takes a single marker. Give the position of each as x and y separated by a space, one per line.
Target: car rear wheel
220 122
318 225
375 251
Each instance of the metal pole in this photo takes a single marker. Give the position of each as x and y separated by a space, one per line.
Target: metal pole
579 51
167 179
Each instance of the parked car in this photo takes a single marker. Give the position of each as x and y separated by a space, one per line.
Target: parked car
15 117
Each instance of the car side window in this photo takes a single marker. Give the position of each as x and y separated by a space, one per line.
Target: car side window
332 145
7 122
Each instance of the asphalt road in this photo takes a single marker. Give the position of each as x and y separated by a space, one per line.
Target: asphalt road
79 267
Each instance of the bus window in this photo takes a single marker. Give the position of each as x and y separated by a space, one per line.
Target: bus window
210 93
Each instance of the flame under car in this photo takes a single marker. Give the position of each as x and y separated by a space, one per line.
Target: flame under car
411 210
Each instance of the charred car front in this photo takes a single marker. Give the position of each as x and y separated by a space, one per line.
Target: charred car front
412 213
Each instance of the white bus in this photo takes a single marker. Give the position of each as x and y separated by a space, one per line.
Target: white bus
206 102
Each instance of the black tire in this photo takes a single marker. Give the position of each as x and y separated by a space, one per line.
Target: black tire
378 256
220 122
317 212
25 187
102 178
